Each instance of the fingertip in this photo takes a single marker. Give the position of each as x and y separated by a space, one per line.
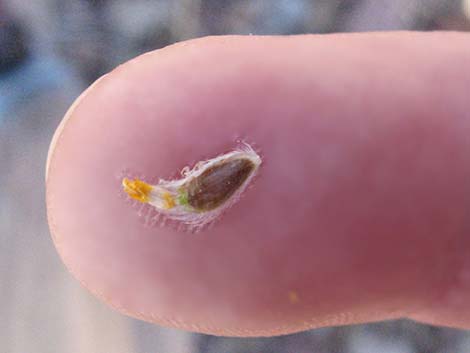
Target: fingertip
319 240
64 121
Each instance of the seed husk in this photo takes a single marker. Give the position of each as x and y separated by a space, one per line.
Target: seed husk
218 183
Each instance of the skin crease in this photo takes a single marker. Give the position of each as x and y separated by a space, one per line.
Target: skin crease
360 210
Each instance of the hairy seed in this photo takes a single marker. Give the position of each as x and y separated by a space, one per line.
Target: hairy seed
216 184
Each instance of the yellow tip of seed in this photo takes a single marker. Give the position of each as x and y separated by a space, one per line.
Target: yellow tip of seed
137 189
169 200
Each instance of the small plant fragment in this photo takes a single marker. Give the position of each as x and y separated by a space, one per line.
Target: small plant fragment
293 297
203 192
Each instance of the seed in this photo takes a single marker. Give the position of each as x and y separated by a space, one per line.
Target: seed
204 191
218 183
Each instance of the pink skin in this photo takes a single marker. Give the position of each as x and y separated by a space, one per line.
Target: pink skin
361 208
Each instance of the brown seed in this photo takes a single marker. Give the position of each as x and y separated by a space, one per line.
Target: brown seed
216 184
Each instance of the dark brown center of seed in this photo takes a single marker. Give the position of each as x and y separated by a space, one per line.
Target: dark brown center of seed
216 184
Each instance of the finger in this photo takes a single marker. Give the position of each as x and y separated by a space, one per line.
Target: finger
360 211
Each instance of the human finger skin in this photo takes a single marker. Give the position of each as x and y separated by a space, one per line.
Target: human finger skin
360 209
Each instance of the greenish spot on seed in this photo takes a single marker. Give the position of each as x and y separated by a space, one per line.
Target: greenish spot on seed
183 197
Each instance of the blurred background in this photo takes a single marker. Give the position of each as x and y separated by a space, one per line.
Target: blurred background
51 50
